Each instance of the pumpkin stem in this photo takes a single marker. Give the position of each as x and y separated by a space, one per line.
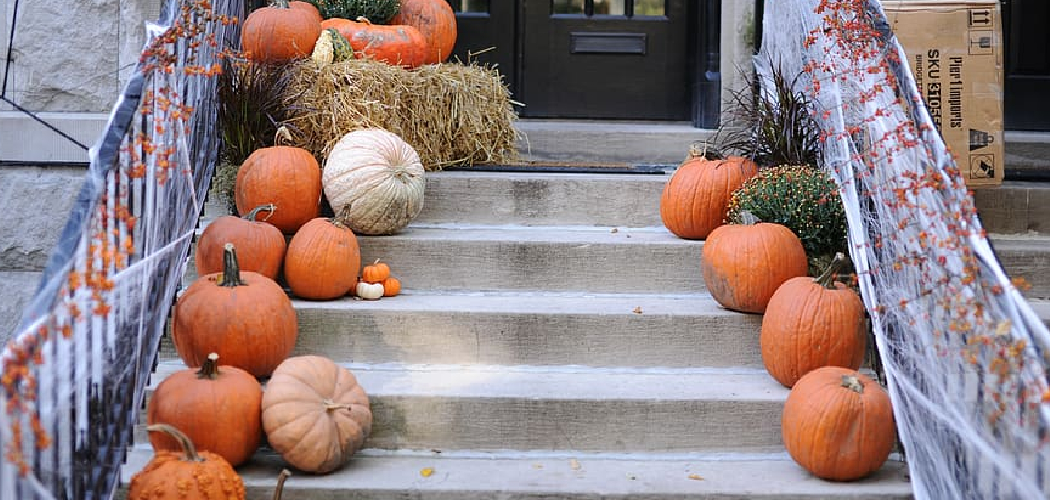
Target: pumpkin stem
231 270
189 452
280 4
210 368
748 218
340 219
251 216
827 278
363 19
283 135
852 383
279 490
330 405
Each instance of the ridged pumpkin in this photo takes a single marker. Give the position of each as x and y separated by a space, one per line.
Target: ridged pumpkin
810 323
245 317
375 180
315 414
394 44
284 176
744 264
261 244
323 260
218 406
280 33
175 474
696 199
838 424
436 20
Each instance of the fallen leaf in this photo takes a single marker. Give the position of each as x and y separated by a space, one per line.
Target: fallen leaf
614 230
427 472
575 464
537 466
632 477
638 310
696 477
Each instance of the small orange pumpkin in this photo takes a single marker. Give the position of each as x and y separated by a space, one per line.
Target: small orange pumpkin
838 424
375 272
171 474
696 199
810 323
323 260
436 20
285 176
393 44
262 245
744 264
391 287
279 33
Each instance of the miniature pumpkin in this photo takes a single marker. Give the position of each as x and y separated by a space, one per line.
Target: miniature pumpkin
331 47
399 45
315 414
377 178
279 33
744 264
284 176
323 260
370 291
436 20
838 424
217 405
391 287
173 475
262 244
696 199
245 317
375 272
810 323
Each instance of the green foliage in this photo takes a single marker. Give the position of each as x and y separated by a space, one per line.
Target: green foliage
376 11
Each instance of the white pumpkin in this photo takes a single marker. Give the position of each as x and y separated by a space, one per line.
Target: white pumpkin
379 176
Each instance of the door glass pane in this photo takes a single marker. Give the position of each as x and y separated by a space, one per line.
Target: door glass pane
610 7
470 5
649 8
568 7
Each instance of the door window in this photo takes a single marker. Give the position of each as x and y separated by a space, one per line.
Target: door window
610 7
470 6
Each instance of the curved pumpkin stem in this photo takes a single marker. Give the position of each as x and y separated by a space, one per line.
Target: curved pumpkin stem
281 478
280 4
283 137
364 20
852 382
330 405
231 270
746 217
189 452
252 216
210 368
340 219
827 278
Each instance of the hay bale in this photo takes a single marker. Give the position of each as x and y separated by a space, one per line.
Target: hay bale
452 114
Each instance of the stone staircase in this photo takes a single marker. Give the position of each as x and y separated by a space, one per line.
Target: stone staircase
554 341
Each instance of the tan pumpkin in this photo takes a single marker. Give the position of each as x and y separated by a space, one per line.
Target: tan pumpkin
375 180
260 243
810 323
315 414
696 199
436 20
285 176
323 260
838 424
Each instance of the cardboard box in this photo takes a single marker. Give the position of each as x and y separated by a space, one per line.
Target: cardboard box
955 51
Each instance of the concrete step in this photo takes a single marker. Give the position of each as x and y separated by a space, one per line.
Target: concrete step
565 408
381 475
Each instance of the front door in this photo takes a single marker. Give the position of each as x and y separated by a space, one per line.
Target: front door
1027 64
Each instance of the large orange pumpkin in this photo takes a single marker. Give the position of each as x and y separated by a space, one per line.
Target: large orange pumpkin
284 176
393 44
323 260
315 414
696 199
280 33
744 264
261 244
436 20
245 317
810 323
217 405
175 475
838 424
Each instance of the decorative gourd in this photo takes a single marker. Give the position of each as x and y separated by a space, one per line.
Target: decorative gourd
810 323
744 264
838 424
377 178
308 7
331 47
173 474
323 260
245 317
217 405
285 176
279 33
436 20
261 244
391 287
696 199
370 291
315 414
398 45
375 272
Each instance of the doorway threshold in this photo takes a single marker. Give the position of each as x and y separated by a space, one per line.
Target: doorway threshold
569 167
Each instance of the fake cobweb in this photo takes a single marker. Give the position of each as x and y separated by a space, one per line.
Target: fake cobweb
965 358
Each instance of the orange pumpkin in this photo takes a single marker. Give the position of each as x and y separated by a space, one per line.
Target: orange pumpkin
391 287
315 414
838 424
172 474
696 199
284 176
262 244
245 317
393 44
279 33
436 20
744 264
323 260
810 323
375 272
217 405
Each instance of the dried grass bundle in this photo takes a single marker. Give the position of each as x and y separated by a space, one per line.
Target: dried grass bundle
452 114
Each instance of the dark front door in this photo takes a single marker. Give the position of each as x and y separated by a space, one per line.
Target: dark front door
1027 67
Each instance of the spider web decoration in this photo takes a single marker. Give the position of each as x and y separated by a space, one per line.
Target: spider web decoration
965 358
73 376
